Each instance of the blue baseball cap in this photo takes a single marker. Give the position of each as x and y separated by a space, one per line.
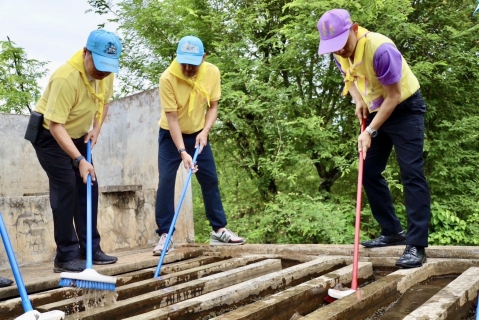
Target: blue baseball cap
190 51
105 48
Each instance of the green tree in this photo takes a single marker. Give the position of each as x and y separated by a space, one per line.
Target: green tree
285 139
19 89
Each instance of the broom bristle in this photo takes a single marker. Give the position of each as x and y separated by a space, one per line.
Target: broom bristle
84 284
329 299
87 279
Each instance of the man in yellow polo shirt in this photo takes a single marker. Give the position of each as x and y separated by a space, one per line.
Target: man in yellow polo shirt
189 91
77 96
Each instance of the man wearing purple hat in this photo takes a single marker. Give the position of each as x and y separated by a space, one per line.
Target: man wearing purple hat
189 91
77 96
386 94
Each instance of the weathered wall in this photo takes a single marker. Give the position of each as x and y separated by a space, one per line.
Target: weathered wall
126 153
127 150
20 171
125 160
126 221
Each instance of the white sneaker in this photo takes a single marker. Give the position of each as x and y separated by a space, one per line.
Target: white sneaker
161 244
226 238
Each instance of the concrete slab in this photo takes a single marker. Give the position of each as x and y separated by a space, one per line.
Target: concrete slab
385 291
245 292
150 284
449 252
301 299
451 301
291 292
120 188
167 296
362 303
40 277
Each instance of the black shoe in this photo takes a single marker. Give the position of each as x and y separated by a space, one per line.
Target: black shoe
100 257
413 257
75 265
5 282
384 241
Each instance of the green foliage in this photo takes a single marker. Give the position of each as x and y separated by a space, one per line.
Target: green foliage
19 89
285 140
449 229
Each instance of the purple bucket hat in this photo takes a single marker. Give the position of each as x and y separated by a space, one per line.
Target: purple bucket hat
333 27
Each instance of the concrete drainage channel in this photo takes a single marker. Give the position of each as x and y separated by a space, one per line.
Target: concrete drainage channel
251 282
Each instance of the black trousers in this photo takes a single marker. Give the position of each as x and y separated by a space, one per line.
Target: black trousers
404 130
67 197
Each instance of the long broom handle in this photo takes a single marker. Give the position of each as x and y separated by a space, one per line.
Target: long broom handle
175 217
354 281
89 258
477 308
27 305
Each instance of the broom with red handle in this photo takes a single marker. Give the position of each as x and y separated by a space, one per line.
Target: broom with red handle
334 294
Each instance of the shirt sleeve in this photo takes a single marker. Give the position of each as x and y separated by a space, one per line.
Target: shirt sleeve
216 90
387 64
60 101
167 96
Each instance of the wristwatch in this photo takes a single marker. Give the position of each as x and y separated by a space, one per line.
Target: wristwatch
76 162
371 131
181 150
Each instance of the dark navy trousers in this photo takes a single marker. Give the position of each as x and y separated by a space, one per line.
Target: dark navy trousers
67 197
404 130
168 163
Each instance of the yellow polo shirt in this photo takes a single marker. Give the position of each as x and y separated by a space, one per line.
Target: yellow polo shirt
66 100
175 96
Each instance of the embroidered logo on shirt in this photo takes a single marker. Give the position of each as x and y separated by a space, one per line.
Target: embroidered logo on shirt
110 49
190 47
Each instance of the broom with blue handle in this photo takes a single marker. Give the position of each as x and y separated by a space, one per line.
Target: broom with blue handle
29 314
89 278
175 217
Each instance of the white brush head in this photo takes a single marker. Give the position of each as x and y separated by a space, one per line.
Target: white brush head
30 315
88 275
338 294
35 315
52 315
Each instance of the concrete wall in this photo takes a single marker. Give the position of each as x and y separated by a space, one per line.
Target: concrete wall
125 161
20 171
127 151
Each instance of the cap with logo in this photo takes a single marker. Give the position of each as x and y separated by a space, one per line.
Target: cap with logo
190 51
333 27
105 47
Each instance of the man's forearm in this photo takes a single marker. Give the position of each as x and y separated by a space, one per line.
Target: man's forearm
60 134
387 107
353 91
393 98
175 129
